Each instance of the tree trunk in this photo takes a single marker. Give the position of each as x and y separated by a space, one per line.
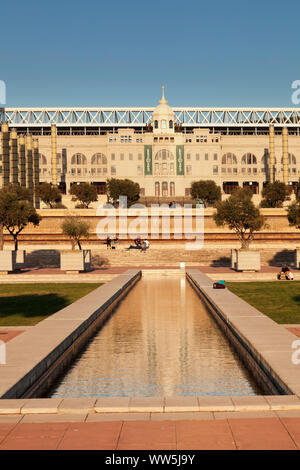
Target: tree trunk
78 241
1 237
245 243
16 242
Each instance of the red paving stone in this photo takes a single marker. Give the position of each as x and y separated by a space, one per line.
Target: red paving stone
242 434
148 435
27 436
7 335
261 434
294 330
204 435
91 436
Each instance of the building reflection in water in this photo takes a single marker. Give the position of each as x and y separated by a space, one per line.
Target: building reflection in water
161 341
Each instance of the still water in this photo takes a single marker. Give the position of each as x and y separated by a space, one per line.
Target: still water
161 341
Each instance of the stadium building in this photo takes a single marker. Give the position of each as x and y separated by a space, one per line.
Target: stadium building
164 149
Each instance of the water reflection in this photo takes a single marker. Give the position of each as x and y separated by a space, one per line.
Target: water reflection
161 341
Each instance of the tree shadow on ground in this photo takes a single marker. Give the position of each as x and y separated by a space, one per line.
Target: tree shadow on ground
283 257
100 261
296 298
30 306
222 261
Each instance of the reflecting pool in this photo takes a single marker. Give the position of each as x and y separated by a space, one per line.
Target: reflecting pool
160 341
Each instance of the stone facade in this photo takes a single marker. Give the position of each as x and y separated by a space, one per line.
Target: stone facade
165 158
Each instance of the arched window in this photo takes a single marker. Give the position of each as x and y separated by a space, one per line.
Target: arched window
78 159
249 159
43 159
165 189
164 163
156 124
98 164
157 189
291 159
172 189
229 159
171 124
99 159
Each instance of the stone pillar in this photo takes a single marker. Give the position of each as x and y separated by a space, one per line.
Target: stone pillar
271 153
285 155
53 156
13 156
5 153
29 166
22 161
36 170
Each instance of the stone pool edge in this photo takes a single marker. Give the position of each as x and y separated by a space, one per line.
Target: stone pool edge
161 405
264 346
37 357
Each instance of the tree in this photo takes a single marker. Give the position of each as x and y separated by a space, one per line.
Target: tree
240 214
85 193
293 213
298 191
116 188
207 190
16 213
76 229
49 194
22 194
274 194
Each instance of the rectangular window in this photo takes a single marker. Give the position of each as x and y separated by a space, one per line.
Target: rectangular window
122 156
140 156
113 170
215 156
215 169
188 156
197 156
104 170
113 156
130 156
188 169
206 156
139 170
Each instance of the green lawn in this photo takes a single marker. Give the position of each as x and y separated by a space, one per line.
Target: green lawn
278 300
27 304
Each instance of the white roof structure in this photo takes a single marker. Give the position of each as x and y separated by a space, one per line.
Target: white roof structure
189 117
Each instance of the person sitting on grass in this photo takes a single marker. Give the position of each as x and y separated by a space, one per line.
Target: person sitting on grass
285 274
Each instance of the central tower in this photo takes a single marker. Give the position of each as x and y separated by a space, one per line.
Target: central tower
163 117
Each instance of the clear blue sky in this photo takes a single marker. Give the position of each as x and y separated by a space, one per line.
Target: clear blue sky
119 53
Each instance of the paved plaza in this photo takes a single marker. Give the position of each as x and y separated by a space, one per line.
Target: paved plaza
277 433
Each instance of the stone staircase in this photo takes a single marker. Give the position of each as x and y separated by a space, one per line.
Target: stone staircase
160 257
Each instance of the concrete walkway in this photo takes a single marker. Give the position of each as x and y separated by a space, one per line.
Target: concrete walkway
267 273
278 433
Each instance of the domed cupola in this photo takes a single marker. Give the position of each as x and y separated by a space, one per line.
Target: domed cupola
163 117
